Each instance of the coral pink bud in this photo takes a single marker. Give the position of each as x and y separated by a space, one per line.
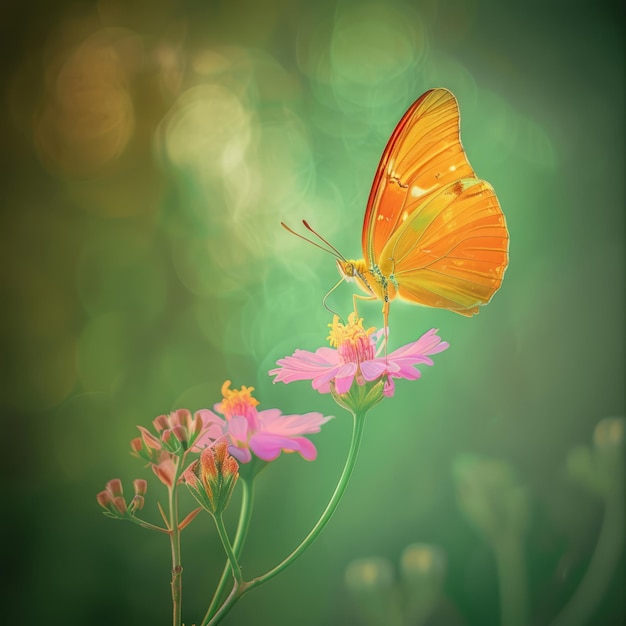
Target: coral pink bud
104 499
120 504
136 445
163 475
198 423
136 504
180 433
114 487
160 423
149 439
189 475
165 469
140 486
181 417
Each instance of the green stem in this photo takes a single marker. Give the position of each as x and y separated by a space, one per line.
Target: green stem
509 553
239 590
232 559
174 533
604 561
245 515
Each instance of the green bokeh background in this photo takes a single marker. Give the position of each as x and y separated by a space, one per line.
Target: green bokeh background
149 151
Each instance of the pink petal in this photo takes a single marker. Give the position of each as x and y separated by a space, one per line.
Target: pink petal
373 369
213 427
208 417
304 365
428 343
389 388
238 429
271 422
343 383
324 388
402 362
326 377
343 375
241 454
409 372
307 450
268 447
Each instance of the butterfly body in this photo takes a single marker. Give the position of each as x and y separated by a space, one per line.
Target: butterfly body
433 234
370 279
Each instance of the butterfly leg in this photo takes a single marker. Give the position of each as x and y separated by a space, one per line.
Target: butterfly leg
356 297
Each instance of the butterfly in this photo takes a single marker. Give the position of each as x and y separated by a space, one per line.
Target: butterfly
433 233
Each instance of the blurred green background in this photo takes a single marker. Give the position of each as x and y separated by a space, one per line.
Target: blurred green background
149 150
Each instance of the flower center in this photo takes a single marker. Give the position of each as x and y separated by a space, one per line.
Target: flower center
352 341
238 402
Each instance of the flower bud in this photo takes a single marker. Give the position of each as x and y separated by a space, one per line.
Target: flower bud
140 486
370 583
136 504
368 575
180 433
423 562
600 468
423 568
112 499
160 423
211 479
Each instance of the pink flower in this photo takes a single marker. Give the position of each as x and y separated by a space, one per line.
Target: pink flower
354 357
264 433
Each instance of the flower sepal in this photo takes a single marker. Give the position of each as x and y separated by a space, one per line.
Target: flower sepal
359 399
211 479
249 471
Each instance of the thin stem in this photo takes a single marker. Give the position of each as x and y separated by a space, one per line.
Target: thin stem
357 432
149 526
174 533
239 590
232 559
245 514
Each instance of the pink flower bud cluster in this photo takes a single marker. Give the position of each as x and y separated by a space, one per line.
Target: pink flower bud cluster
176 434
112 498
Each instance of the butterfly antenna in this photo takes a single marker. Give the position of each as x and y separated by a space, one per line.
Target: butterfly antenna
330 245
330 249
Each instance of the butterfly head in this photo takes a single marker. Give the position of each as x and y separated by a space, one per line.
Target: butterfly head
351 271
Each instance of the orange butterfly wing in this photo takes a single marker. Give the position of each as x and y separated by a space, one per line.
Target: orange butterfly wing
430 225
452 252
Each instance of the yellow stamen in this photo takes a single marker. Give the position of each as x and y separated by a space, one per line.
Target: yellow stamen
351 332
233 398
